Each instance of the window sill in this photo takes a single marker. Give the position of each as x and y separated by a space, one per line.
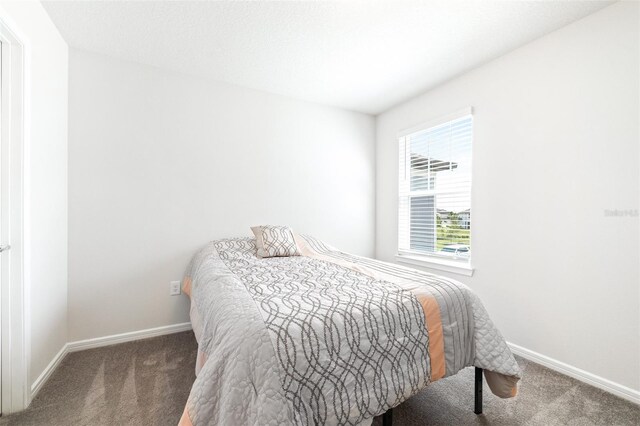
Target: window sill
445 265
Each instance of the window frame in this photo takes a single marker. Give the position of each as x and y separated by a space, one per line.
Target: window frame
432 261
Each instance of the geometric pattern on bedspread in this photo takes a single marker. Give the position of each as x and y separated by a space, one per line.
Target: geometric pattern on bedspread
347 344
474 341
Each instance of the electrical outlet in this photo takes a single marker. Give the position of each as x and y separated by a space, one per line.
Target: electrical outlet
174 288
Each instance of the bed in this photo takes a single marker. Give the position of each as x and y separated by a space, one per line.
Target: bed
327 337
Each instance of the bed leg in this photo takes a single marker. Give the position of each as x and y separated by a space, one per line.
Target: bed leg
387 417
478 391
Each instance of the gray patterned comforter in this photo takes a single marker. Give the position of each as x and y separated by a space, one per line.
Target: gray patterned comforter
326 337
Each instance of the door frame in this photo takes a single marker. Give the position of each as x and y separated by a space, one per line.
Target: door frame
15 342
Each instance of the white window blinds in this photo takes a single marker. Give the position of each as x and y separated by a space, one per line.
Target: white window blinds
434 214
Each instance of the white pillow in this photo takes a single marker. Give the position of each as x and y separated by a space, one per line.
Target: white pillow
275 241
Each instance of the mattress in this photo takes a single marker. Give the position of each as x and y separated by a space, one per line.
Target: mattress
327 337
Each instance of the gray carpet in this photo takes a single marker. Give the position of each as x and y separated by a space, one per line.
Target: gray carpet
147 383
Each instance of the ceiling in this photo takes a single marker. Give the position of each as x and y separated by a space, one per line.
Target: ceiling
362 56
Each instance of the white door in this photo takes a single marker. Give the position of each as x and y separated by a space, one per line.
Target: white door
5 195
14 344
3 248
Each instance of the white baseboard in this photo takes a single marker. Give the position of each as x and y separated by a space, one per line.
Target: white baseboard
578 374
103 341
98 342
561 367
49 369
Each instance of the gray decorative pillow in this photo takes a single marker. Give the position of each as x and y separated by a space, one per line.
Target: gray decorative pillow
275 241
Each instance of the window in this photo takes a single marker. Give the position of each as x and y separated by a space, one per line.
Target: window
434 213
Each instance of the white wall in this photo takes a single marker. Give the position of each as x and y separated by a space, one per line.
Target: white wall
555 144
161 163
46 94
